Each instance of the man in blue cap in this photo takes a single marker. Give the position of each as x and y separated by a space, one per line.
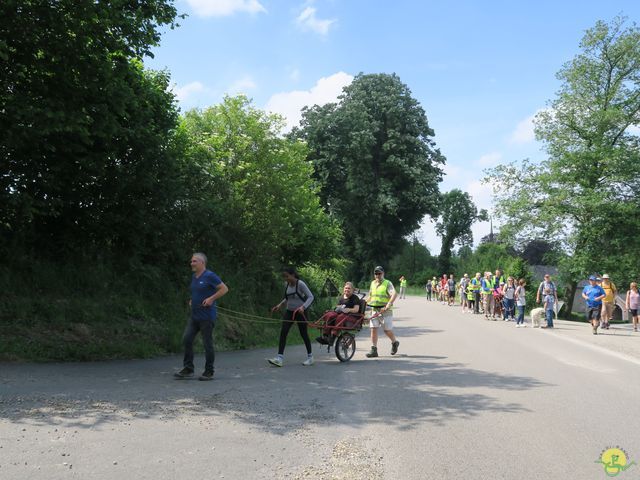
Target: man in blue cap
593 294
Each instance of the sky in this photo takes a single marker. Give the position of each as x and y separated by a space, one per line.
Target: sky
480 69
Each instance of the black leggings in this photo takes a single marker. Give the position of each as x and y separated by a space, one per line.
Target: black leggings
301 321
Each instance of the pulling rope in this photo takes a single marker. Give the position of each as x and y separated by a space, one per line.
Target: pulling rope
250 318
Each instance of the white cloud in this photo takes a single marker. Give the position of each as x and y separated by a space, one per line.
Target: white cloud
307 20
490 159
524 132
242 85
187 91
223 8
290 104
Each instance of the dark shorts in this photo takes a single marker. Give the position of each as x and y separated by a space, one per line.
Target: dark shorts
594 313
634 312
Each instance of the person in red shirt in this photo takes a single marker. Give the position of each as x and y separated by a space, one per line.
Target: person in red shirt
444 289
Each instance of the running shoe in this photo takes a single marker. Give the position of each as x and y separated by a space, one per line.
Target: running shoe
308 362
206 375
394 347
276 361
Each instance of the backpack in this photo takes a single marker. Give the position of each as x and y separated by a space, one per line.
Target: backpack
297 293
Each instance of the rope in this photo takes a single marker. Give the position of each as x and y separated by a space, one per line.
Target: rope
258 319
244 314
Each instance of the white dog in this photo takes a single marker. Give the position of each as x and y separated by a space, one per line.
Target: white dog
537 315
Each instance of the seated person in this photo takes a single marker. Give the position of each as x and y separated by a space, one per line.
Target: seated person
347 304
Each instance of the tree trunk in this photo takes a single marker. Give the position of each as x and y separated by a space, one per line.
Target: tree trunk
570 293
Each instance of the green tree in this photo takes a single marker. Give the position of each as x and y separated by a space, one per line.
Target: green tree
582 198
374 156
84 130
457 214
413 260
253 197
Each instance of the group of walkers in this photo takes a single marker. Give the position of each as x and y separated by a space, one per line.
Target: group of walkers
600 296
492 295
495 297
206 288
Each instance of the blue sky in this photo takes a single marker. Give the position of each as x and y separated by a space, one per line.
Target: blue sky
481 70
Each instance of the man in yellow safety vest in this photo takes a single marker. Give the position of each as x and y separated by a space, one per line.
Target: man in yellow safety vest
380 298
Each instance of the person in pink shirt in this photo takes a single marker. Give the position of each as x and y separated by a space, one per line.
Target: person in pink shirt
633 303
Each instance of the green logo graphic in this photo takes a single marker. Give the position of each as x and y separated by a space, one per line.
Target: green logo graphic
615 461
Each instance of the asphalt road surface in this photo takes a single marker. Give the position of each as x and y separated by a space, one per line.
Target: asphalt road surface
465 398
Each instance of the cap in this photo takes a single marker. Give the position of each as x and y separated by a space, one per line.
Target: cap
592 278
378 269
606 275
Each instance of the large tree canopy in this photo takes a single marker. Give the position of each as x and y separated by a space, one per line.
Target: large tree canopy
457 214
377 164
584 197
252 191
84 129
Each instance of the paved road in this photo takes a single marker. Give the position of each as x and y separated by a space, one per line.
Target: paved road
464 399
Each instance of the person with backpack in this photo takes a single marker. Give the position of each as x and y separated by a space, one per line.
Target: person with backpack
381 296
297 299
547 283
509 299
608 303
521 302
632 304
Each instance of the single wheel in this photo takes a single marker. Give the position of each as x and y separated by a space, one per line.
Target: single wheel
345 347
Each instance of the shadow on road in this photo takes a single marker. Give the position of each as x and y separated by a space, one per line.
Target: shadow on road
401 392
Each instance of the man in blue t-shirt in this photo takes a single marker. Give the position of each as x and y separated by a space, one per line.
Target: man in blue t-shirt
206 288
593 294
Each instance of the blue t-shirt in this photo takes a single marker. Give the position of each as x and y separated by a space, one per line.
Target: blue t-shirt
592 292
203 287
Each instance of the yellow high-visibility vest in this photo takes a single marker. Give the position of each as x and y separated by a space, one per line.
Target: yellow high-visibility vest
379 296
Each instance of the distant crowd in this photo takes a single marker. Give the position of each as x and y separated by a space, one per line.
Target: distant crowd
498 296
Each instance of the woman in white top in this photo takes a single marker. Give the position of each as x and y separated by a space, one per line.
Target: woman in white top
521 302
633 304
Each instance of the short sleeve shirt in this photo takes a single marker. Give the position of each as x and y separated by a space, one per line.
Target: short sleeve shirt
593 292
350 302
549 301
203 287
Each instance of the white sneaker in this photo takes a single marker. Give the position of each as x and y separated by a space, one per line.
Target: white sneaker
308 362
517 325
276 361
